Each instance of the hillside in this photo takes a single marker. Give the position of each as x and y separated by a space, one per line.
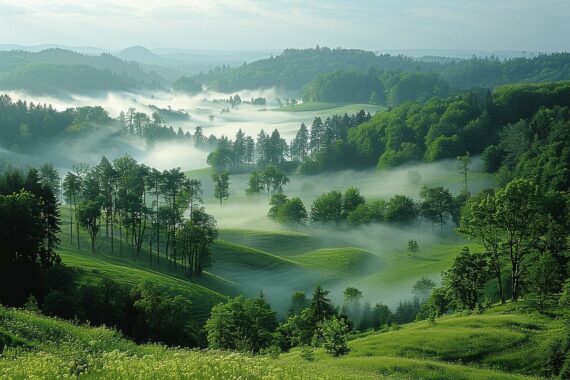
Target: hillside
495 345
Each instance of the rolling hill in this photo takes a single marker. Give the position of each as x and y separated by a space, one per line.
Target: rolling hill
479 346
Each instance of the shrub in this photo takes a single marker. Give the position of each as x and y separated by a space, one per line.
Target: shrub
334 334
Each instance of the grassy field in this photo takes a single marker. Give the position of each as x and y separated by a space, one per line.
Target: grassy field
280 243
495 345
338 260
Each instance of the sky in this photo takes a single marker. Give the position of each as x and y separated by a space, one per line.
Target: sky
489 25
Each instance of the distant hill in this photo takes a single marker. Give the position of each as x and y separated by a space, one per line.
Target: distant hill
294 68
143 55
51 70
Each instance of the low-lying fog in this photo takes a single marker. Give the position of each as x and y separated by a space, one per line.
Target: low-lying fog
241 211
250 118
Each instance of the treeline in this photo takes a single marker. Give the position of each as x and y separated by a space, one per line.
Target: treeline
24 125
387 88
293 69
436 207
245 151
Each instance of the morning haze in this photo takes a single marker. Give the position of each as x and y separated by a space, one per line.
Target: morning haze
287 189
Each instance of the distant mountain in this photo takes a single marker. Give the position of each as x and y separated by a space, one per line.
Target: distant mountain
143 55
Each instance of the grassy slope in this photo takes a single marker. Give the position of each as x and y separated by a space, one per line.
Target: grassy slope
130 270
340 260
430 261
280 243
454 347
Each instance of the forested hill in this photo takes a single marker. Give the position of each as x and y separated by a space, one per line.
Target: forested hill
54 70
295 68
520 129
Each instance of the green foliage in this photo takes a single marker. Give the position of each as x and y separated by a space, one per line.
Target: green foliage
544 281
287 211
413 247
241 324
221 186
466 278
327 208
187 85
436 205
334 334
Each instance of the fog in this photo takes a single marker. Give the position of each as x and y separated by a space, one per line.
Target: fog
108 142
250 212
382 240
250 118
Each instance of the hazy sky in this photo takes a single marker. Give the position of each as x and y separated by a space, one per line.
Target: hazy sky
274 24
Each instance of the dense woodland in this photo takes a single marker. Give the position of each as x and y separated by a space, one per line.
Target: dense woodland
513 123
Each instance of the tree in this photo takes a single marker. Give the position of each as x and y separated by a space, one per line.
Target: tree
199 138
299 302
300 146
321 307
327 208
423 288
88 214
194 238
292 212
400 209
479 221
463 165
467 277
413 247
72 191
436 205
351 200
239 147
272 179
334 333
162 318
277 201
221 186
49 176
317 130
249 150
352 298
241 324
544 280
516 214
23 254
255 183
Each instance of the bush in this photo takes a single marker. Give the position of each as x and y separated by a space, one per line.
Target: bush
241 324
334 335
